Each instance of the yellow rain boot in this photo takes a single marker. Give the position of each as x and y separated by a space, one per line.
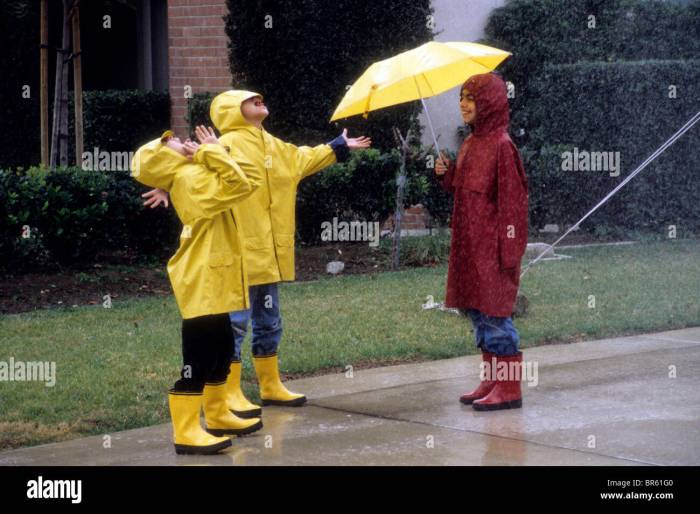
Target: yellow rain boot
236 400
188 435
219 419
272 391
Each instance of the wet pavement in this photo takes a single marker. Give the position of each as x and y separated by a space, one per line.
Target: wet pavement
623 401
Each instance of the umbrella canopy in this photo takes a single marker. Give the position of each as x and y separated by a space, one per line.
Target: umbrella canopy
426 71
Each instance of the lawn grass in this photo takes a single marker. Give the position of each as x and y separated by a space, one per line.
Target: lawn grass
115 365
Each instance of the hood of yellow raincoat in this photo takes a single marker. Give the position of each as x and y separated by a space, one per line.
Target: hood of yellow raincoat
225 110
155 165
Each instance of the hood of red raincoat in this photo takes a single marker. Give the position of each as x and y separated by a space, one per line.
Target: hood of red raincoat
492 110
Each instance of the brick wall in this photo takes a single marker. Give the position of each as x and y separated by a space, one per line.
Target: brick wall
197 53
414 218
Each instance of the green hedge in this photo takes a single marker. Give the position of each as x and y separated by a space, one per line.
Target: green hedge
363 188
198 110
615 107
113 120
122 120
541 32
606 89
76 217
313 51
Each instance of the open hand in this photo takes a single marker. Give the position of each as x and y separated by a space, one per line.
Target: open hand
356 143
190 148
206 135
156 197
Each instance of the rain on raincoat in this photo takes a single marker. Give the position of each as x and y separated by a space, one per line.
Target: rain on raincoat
489 219
267 217
207 272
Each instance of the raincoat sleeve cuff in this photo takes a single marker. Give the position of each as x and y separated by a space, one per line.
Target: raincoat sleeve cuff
340 148
446 180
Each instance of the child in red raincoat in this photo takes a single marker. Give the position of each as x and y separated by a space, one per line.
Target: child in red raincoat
489 236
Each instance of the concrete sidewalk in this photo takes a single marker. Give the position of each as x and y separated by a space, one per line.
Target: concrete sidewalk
606 402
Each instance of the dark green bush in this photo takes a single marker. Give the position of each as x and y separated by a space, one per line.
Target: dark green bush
541 32
616 107
313 50
603 89
198 110
421 250
123 120
76 216
363 188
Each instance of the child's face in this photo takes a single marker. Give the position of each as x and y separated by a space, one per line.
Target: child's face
254 110
467 106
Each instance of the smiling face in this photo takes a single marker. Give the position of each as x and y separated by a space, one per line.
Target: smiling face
254 110
467 106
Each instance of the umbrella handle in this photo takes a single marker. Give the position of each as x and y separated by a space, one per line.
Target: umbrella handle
430 124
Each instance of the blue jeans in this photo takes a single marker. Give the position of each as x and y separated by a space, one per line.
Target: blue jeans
266 321
494 335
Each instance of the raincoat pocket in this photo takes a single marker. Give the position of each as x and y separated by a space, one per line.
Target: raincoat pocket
257 243
225 284
284 240
284 247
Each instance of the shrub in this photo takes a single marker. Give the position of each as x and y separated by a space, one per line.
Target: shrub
76 216
422 250
363 188
313 50
631 30
198 110
123 120
629 110
604 88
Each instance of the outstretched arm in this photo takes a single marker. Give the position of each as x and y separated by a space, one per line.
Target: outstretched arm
312 160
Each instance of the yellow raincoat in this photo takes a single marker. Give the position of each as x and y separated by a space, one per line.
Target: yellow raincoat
268 215
207 272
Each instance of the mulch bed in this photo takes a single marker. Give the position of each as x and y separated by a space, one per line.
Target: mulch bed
88 286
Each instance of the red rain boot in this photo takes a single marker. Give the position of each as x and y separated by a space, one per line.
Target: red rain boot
483 388
506 394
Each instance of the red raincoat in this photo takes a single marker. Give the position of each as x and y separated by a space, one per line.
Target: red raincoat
489 219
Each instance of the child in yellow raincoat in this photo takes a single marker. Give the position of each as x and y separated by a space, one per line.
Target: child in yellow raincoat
268 225
208 276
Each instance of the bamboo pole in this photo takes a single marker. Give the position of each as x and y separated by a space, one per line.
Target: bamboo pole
59 147
77 85
44 83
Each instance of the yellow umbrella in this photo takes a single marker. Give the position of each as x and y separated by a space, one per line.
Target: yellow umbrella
426 71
